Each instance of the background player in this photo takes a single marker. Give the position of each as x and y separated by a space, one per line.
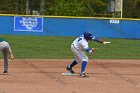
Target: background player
78 47
5 49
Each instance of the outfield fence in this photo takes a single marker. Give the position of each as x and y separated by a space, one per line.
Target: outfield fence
69 26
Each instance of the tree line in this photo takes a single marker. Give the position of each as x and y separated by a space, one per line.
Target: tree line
88 8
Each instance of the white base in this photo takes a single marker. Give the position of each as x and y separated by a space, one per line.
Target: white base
69 74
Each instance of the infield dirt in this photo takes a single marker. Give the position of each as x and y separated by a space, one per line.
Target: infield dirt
44 76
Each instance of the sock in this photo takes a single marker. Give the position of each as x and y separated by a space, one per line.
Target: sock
73 64
84 63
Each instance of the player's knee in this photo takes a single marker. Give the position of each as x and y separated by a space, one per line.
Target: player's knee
86 60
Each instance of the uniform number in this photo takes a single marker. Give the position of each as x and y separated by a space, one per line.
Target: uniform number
79 39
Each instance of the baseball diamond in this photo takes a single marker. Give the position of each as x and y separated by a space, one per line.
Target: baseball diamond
44 76
70 46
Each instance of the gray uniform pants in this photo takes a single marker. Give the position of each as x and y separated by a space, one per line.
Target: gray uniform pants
4 48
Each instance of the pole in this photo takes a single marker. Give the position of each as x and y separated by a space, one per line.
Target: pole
27 7
121 8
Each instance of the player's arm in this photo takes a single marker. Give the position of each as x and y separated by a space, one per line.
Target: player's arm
99 40
11 53
90 50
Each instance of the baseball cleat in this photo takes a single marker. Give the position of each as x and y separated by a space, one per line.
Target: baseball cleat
83 75
5 72
70 70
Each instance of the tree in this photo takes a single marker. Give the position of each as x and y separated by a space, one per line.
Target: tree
77 7
131 8
27 10
136 12
42 7
67 7
16 6
6 6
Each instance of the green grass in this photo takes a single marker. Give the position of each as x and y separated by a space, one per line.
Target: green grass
47 47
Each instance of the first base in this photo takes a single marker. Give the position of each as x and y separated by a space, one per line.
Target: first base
69 74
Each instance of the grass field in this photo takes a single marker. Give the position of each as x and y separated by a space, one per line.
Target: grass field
47 47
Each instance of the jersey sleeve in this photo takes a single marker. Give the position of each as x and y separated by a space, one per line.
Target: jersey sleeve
88 50
84 44
86 47
97 40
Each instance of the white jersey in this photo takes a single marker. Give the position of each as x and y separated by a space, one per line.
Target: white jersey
80 43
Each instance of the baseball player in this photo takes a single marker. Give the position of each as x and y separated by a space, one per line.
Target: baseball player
78 47
5 49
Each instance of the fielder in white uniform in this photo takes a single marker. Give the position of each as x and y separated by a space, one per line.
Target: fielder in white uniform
5 49
78 47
